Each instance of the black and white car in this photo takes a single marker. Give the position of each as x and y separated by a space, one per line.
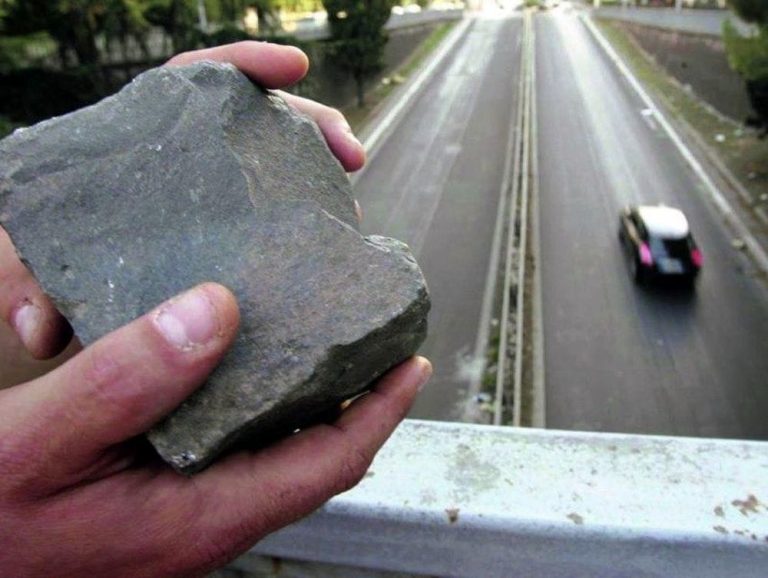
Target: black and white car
658 243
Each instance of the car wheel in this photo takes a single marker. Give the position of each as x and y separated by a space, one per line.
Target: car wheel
637 272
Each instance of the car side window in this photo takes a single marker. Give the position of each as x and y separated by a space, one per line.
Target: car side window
640 226
637 224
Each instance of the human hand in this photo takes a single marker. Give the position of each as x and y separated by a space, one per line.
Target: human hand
82 495
23 304
274 66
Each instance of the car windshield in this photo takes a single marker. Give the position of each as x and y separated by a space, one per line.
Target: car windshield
676 248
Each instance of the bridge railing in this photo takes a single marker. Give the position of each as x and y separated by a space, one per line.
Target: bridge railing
448 499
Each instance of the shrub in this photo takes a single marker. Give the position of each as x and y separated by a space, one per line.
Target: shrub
748 55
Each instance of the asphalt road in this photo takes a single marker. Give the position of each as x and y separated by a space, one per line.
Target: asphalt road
617 357
435 184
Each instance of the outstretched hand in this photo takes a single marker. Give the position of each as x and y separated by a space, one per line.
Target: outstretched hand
82 495
81 492
274 66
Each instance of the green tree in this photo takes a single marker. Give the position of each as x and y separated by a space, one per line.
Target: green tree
178 19
122 21
267 11
751 10
232 11
298 5
76 24
5 6
358 37
72 23
748 55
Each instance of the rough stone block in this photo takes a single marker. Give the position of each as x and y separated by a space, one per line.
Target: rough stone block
194 174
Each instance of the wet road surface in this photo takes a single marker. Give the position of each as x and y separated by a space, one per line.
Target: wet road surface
617 357
435 184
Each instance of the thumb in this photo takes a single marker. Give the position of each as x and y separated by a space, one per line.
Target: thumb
124 383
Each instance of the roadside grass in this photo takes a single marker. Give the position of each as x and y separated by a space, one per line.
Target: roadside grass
738 149
359 116
488 382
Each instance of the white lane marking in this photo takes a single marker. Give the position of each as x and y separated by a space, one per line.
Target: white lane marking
539 401
371 140
759 255
647 115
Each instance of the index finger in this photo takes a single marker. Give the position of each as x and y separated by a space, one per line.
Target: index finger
270 65
335 128
27 309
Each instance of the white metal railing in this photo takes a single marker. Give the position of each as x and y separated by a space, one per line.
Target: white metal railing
452 499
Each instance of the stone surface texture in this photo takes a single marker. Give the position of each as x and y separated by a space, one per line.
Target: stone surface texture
194 174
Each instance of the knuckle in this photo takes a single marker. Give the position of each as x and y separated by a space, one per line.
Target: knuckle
334 115
353 467
110 383
244 45
212 549
102 368
212 555
397 411
23 440
213 552
19 454
181 58
203 550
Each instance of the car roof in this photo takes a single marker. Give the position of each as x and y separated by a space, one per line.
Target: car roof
666 222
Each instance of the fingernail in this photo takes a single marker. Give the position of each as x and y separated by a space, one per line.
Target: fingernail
26 321
355 153
188 320
426 372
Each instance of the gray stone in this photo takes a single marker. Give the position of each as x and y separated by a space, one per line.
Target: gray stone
194 174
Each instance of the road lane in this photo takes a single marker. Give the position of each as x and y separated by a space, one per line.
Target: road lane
620 358
435 184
